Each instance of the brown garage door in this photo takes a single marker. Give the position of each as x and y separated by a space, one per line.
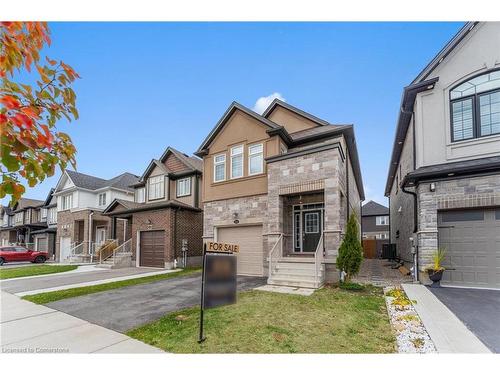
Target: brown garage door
251 255
152 252
471 239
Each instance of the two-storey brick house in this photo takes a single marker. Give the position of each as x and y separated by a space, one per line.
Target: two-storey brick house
165 216
20 221
80 201
281 185
444 176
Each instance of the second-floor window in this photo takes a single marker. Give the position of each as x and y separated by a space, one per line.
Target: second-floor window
475 107
52 215
156 188
184 187
66 202
140 195
43 213
102 199
382 220
19 217
219 168
6 220
237 161
256 159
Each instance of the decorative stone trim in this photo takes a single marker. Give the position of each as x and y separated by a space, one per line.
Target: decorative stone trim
468 201
302 187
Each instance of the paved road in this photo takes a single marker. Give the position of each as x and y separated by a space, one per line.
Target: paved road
478 309
126 308
61 279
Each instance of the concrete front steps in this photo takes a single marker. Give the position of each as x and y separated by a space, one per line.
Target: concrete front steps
122 260
300 273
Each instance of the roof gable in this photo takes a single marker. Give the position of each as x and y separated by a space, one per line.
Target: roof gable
280 105
232 109
373 208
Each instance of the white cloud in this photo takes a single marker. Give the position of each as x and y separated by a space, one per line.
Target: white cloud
371 195
263 102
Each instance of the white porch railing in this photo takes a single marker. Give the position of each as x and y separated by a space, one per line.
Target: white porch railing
275 254
76 251
124 248
319 256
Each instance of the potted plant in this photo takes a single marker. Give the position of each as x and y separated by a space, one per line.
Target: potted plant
435 270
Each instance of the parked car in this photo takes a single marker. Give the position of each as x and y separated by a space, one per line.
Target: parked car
21 254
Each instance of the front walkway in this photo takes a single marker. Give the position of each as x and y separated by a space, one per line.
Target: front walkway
30 328
447 332
379 273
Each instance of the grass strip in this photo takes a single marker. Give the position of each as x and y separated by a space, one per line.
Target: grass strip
11 273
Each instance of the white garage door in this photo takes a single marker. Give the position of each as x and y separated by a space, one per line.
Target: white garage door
251 256
64 248
471 239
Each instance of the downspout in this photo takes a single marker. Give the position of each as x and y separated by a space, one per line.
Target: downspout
347 183
174 240
90 231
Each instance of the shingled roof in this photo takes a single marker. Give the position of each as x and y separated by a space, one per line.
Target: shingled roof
85 181
373 208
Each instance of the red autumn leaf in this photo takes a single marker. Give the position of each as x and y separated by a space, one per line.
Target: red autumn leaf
10 102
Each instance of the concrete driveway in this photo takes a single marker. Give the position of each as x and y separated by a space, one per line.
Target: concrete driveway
478 309
126 308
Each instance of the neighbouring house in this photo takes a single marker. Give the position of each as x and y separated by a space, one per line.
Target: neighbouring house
281 185
374 228
80 201
45 238
444 175
375 221
20 221
165 217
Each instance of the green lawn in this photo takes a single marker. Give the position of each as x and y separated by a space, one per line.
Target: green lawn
10 273
331 320
47 297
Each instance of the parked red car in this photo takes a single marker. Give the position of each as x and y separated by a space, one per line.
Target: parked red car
21 254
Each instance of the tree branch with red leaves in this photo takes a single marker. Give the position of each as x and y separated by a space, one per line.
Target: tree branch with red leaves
31 145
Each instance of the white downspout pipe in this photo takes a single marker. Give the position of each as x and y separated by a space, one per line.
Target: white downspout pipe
90 231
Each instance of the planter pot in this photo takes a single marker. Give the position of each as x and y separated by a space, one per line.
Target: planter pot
435 277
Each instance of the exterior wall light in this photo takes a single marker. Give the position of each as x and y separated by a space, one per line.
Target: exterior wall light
432 187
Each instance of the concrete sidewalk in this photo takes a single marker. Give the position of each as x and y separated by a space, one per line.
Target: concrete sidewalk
447 332
30 328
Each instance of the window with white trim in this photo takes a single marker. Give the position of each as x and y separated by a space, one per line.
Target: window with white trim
237 161
140 195
156 188
219 167
44 213
102 199
52 215
256 159
184 187
382 220
19 217
66 202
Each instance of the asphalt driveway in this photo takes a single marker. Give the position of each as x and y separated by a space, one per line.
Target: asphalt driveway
478 309
126 308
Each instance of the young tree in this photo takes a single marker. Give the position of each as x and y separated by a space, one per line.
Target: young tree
31 146
350 251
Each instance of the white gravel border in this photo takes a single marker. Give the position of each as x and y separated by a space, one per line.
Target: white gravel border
411 335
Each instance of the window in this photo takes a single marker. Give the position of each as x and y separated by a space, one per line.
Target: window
102 199
52 215
184 187
256 159
44 213
140 195
237 161
475 107
19 217
468 215
219 168
382 220
311 222
381 236
156 187
66 202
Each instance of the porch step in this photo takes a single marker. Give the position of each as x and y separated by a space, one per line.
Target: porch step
295 282
285 265
298 273
122 260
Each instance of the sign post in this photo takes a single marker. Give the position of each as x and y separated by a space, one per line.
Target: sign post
218 281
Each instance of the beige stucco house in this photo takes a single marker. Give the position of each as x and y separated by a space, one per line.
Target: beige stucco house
281 185
444 175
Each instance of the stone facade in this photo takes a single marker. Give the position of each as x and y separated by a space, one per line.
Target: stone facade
466 192
177 225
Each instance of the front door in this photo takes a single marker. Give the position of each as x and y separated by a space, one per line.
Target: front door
100 235
311 230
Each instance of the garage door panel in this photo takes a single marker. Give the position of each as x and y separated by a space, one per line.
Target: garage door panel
250 259
472 243
152 249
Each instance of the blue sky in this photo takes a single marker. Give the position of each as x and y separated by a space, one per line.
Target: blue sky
145 86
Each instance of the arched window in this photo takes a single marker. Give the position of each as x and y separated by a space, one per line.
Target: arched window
475 107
